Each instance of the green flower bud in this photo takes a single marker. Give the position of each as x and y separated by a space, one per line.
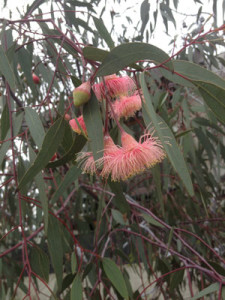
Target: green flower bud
82 94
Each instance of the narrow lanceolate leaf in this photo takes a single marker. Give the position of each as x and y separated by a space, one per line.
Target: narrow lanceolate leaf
145 11
35 126
6 69
115 276
176 279
93 121
16 128
157 179
76 81
33 6
126 54
207 123
5 123
76 290
50 144
70 177
209 290
102 30
25 60
43 198
56 248
119 199
40 263
118 217
42 191
73 263
150 220
76 147
166 136
214 97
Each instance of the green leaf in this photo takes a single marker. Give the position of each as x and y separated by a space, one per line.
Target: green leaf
76 147
35 126
52 51
102 30
93 121
145 11
25 61
42 191
84 4
21 169
50 144
206 122
46 73
195 72
84 24
43 198
115 276
5 124
118 217
76 289
209 290
56 39
126 54
214 97
81 4
55 248
6 69
217 267
76 81
40 263
68 140
119 199
169 240
167 13
73 263
70 177
157 180
165 135
95 54
152 221
183 133
67 281
32 7
176 279
176 78
16 128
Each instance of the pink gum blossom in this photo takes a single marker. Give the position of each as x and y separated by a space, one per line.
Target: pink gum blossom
133 158
115 86
126 106
124 162
143 154
110 157
87 162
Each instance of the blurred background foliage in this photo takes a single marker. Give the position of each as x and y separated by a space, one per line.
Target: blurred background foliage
86 232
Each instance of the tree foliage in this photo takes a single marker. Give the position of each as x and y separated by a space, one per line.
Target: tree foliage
90 232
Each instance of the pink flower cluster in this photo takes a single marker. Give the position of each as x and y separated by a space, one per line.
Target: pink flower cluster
119 162
122 91
124 162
